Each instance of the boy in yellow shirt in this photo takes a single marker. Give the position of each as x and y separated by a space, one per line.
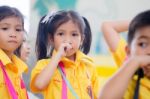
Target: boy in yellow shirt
138 51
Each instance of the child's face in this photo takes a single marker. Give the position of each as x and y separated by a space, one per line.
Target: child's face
11 34
68 33
24 51
141 45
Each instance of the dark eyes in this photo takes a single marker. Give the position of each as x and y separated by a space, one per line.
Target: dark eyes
17 29
4 28
143 44
61 33
75 34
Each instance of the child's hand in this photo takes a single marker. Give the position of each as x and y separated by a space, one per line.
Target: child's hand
64 49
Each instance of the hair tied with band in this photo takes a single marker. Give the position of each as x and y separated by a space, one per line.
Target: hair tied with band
46 19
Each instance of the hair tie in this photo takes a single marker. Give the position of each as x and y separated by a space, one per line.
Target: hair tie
46 19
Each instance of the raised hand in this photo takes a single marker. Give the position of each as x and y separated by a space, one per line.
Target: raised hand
64 49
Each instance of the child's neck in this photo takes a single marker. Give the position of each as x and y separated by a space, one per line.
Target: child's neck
8 53
73 57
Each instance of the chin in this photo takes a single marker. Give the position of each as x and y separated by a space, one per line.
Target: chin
70 56
148 76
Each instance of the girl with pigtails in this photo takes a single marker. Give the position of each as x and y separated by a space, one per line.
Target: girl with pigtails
63 70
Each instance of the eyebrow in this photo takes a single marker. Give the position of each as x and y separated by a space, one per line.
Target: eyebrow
143 37
1 24
4 24
62 30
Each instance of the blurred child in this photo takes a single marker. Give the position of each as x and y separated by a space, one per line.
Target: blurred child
24 50
125 84
11 67
69 73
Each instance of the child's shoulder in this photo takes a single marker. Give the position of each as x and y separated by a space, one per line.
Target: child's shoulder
85 58
42 62
88 61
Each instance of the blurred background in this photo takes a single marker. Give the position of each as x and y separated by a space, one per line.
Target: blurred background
96 11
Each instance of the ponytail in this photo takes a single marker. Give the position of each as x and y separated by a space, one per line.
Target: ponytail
88 37
41 41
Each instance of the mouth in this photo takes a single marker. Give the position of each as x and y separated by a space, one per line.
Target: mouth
12 41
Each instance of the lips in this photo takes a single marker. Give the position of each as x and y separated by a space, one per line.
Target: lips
12 41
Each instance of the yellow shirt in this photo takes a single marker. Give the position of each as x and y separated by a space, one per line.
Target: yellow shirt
81 75
119 57
120 54
14 69
144 92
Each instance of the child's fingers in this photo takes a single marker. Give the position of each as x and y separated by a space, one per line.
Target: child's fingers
68 47
64 48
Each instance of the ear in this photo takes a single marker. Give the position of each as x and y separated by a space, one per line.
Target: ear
127 49
50 40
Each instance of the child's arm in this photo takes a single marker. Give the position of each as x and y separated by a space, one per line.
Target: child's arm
43 79
111 30
117 85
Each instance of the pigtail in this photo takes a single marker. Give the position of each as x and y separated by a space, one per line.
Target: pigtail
140 75
87 37
41 41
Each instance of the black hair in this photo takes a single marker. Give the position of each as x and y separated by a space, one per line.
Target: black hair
88 36
139 21
46 30
7 11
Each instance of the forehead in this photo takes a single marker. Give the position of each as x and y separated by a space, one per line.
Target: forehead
143 32
69 25
11 20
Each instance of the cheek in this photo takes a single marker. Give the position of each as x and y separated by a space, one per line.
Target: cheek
136 50
57 44
139 51
20 37
77 44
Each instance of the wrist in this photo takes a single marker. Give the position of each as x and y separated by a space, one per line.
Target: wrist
133 63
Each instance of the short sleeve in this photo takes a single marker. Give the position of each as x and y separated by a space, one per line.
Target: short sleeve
120 54
36 70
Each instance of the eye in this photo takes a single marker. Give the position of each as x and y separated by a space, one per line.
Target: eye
4 28
19 30
143 44
75 34
60 33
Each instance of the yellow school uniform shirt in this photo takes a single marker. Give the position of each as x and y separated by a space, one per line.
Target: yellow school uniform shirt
14 69
119 56
81 75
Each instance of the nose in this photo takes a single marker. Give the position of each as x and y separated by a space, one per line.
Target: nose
68 40
12 34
